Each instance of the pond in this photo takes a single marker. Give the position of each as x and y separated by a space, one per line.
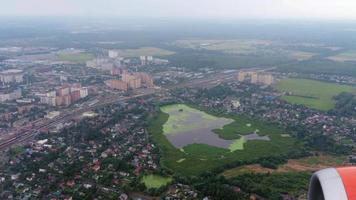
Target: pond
186 125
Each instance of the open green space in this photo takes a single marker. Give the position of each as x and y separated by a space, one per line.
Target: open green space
314 94
17 150
306 164
270 185
196 158
344 56
155 181
143 51
317 161
78 58
227 46
240 126
246 47
319 66
302 55
238 144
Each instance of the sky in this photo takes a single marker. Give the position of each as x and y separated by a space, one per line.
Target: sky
216 9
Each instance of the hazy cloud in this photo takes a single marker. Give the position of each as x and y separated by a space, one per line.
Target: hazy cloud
329 9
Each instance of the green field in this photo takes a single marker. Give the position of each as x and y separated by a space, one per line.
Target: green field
195 158
314 94
344 56
155 181
245 47
144 51
227 46
301 55
238 144
79 58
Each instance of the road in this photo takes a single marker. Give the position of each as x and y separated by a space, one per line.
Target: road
23 135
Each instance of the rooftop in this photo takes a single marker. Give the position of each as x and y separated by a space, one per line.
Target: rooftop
11 71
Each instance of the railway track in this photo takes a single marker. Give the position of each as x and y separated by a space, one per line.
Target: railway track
24 136
21 137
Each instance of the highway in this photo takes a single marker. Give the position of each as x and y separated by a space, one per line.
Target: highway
23 135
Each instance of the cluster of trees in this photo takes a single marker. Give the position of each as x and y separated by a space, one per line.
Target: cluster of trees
273 186
325 143
345 104
219 190
269 185
116 164
319 142
272 162
195 59
212 185
220 91
35 113
320 65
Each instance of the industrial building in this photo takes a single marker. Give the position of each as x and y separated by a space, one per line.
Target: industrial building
145 79
11 76
255 77
113 54
131 81
145 60
64 96
117 84
16 94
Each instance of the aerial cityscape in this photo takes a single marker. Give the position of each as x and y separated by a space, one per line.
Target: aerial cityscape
245 106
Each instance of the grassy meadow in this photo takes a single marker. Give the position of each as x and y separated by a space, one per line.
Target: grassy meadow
314 94
344 56
155 181
144 51
78 58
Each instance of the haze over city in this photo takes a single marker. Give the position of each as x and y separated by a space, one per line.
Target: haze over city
178 99
224 9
